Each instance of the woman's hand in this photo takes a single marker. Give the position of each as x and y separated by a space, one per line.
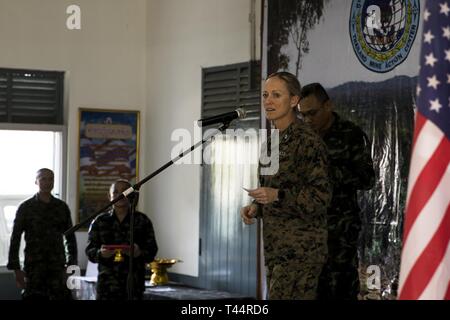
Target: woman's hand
248 214
264 195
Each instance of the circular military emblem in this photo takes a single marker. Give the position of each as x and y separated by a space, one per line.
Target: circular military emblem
382 32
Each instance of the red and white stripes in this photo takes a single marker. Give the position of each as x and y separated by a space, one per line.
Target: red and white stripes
425 264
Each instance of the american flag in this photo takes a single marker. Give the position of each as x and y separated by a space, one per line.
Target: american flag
425 261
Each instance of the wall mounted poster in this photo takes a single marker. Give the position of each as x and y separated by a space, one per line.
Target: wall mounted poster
108 150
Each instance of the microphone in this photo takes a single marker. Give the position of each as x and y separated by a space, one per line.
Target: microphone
224 117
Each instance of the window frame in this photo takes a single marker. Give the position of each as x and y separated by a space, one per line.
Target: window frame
58 124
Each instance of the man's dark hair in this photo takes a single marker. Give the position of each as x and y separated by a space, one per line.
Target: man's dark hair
127 183
42 170
317 90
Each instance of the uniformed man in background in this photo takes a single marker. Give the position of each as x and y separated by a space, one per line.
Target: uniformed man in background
113 228
43 219
350 169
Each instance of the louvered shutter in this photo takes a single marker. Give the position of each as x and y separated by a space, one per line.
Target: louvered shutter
29 96
226 88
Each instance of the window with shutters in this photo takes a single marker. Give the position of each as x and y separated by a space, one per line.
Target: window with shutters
29 96
228 251
32 136
227 88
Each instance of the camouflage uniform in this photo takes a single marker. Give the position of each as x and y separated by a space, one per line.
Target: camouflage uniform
46 251
351 169
294 229
112 277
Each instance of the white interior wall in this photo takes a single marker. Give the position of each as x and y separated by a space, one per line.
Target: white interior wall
104 61
183 37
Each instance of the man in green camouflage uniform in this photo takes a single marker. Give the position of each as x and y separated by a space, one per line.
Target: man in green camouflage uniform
113 228
293 201
351 169
43 219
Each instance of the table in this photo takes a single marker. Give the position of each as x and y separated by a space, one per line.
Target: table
178 291
171 291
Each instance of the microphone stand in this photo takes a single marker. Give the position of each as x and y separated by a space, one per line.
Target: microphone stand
132 194
133 198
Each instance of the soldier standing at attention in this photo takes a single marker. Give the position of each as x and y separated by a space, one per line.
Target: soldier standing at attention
43 219
351 169
294 200
113 228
